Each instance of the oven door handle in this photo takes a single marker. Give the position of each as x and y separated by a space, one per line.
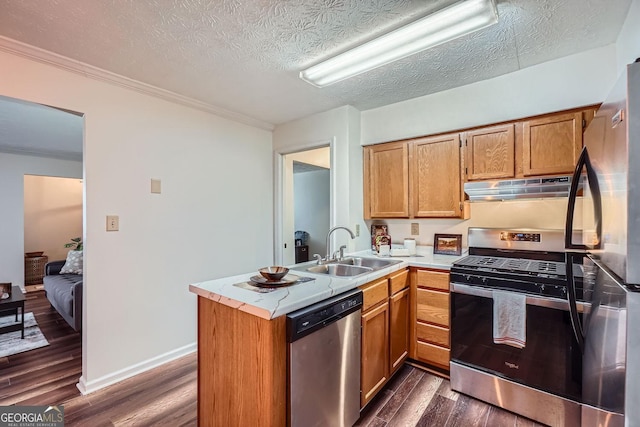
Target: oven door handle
552 303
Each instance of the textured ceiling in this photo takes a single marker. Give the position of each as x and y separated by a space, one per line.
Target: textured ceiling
245 55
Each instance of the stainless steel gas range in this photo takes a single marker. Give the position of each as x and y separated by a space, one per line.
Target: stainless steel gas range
539 374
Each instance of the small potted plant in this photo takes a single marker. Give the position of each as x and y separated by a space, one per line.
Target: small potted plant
75 244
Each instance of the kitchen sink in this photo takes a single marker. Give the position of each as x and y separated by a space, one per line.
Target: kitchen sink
342 270
374 263
347 267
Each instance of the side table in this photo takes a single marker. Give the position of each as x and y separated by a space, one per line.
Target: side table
11 306
34 269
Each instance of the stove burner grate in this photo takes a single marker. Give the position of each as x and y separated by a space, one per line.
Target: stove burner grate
511 265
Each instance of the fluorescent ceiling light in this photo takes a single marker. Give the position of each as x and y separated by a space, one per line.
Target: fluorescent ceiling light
447 24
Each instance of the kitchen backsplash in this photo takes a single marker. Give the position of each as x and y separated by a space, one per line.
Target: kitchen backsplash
538 213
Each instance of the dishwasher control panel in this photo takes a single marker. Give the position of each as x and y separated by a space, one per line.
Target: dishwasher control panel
307 320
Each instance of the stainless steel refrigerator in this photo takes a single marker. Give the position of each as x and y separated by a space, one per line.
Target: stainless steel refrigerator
605 203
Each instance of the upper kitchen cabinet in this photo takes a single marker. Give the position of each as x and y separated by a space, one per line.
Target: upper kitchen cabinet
551 145
436 166
386 180
490 152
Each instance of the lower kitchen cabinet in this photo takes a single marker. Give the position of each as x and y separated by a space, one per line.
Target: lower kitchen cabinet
385 331
430 317
399 328
375 351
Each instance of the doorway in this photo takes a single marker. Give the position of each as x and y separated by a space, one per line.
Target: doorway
38 141
52 217
305 199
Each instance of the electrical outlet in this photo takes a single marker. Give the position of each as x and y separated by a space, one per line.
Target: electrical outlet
415 229
357 230
113 223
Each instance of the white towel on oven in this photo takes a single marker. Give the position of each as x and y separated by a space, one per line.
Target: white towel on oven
509 318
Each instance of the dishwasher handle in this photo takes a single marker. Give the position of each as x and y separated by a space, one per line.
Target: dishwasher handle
310 319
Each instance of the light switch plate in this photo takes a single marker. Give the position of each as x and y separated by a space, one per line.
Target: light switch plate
113 222
415 228
156 186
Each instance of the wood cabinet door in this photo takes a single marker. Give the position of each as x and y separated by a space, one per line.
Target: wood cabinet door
399 328
436 177
551 145
490 153
386 180
375 352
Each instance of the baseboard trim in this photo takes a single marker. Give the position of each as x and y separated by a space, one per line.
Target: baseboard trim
107 380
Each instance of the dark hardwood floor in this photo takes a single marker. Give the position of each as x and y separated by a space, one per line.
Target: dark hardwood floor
417 398
167 396
46 375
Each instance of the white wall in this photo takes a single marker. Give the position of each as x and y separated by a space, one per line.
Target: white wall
311 202
341 125
546 213
569 82
52 214
213 218
320 157
13 169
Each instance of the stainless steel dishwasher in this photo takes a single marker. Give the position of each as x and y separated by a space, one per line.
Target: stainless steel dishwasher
324 362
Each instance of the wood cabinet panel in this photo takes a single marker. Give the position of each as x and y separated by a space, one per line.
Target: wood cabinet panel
433 354
434 334
432 307
375 351
374 293
235 348
551 145
436 177
399 328
490 152
432 279
398 281
386 180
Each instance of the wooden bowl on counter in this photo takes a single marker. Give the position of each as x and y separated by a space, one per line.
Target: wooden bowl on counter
274 273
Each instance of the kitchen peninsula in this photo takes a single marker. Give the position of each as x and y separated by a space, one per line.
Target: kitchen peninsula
242 350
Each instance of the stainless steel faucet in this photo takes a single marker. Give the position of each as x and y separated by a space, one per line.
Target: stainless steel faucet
353 236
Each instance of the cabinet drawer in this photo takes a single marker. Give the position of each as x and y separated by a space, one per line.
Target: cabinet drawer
433 334
432 307
432 279
374 293
398 281
433 354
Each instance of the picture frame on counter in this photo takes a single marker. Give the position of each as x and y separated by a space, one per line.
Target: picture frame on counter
447 244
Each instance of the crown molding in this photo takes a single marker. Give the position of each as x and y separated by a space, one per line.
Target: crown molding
43 56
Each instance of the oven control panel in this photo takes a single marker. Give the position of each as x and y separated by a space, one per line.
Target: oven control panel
507 236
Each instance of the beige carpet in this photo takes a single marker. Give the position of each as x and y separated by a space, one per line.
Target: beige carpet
12 343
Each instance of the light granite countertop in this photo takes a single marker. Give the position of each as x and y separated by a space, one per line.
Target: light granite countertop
272 303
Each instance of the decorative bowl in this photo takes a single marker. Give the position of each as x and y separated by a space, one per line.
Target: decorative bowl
273 273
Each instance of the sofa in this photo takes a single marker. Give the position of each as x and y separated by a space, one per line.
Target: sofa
64 292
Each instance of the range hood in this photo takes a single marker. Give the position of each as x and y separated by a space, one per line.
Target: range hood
526 188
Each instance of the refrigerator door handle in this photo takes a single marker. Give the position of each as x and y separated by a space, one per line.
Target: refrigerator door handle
584 162
573 305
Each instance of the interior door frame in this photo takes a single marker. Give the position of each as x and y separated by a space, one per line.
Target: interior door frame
279 192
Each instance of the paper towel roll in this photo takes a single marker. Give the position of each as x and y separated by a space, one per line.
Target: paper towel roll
410 244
